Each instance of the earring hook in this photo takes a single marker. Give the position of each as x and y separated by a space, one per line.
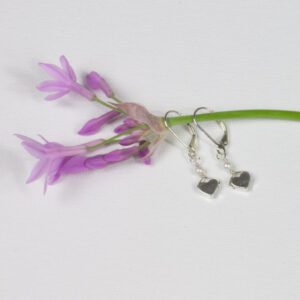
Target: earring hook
190 127
224 140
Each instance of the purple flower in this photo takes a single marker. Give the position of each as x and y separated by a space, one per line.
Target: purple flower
96 162
55 159
94 81
74 164
80 163
51 157
64 81
94 125
130 139
128 123
102 160
120 154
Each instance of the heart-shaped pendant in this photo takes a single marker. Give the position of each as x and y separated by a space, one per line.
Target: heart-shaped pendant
208 186
240 179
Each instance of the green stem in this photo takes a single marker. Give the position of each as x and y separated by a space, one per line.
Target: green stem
116 99
95 98
237 114
114 139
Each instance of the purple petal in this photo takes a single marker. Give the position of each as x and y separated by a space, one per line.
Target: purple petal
130 139
120 154
127 124
92 80
26 138
38 170
96 82
33 147
57 95
121 128
54 173
74 164
53 146
130 122
65 81
34 150
67 68
58 150
54 71
52 86
96 162
94 125
79 89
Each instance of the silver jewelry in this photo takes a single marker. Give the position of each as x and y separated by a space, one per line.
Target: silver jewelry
238 179
206 185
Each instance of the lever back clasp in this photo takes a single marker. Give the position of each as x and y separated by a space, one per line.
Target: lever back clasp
206 185
223 141
191 128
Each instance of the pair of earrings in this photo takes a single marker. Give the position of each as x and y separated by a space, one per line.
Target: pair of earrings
208 185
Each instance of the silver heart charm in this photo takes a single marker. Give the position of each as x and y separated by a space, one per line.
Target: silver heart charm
208 186
240 179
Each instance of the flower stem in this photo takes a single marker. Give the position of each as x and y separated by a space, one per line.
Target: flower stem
116 99
114 139
95 98
237 114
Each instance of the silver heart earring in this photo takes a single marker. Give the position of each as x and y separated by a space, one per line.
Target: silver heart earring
206 185
238 179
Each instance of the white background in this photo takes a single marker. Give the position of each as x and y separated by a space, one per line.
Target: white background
138 232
